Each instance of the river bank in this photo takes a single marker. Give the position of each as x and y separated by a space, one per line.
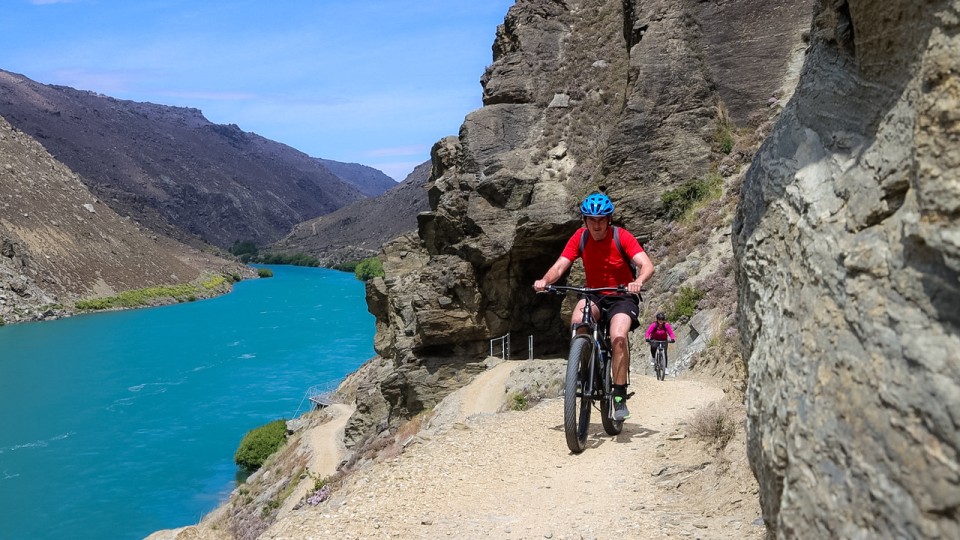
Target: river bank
137 413
204 287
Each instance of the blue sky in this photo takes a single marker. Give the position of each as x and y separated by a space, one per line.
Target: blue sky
364 81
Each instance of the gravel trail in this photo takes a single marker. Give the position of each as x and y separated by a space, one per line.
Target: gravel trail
480 474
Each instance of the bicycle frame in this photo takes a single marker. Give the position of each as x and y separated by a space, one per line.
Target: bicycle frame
589 377
602 351
599 330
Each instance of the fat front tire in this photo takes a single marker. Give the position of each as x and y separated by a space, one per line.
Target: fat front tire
576 406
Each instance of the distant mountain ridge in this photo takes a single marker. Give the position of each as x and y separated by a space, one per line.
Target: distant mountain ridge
360 230
177 173
371 182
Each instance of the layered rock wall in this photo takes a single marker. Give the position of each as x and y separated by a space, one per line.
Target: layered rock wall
848 248
581 94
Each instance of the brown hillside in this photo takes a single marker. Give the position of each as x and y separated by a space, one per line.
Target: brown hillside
171 169
359 230
59 242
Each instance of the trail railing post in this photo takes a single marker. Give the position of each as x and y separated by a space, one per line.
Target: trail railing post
504 345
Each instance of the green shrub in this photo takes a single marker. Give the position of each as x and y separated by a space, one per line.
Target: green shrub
368 269
723 138
213 282
264 272
141 297
349 266
685 304
2 322
293 259
245 250
677 201
519 402
259 443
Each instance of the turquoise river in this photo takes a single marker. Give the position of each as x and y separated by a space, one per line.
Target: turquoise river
115 425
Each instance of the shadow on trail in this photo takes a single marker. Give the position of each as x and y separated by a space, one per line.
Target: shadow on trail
598 436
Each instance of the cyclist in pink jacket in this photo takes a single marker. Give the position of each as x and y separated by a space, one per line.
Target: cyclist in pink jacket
659 331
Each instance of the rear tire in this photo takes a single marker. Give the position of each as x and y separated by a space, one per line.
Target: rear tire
576 408
611 426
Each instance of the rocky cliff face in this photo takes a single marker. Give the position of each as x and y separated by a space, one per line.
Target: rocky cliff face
174 171
59 242
848 249
625 94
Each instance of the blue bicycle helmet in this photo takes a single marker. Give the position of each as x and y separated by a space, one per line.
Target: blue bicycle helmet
597 205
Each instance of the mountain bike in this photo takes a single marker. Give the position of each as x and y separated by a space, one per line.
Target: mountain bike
589 378
660 358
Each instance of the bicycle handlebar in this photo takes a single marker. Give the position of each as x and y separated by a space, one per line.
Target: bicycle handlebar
560 289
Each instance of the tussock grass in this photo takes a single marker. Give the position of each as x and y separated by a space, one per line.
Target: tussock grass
723 135
518 402
716 425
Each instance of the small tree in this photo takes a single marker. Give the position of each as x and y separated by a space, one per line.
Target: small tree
245 249
259 443
368 269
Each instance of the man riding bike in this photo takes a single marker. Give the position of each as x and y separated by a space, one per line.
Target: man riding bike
660 330
607 263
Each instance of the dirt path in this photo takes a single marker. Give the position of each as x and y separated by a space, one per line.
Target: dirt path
510 475
327 450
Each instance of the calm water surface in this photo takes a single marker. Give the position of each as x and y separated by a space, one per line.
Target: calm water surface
115 425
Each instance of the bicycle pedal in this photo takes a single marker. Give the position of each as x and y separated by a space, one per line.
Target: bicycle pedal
630 395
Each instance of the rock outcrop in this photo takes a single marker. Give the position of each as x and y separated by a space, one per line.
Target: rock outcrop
580 95
848 251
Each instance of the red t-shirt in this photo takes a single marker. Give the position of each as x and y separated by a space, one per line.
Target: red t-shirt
602 262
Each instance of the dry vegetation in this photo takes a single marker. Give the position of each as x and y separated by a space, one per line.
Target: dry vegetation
716 425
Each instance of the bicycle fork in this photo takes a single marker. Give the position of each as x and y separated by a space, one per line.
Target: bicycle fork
588 374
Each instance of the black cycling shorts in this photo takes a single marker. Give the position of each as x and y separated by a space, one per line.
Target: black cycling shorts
614 303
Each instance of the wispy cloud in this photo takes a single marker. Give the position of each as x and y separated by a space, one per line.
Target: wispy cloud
200 95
